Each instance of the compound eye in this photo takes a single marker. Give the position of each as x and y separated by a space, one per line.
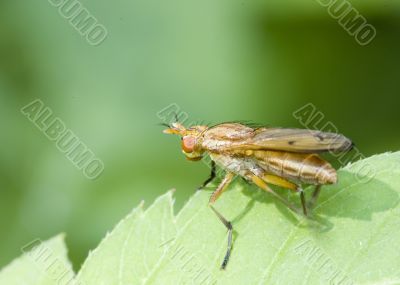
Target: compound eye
188 144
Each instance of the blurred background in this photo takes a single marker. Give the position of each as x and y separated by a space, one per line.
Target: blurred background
216 60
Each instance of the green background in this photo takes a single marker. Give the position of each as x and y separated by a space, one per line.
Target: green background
217 60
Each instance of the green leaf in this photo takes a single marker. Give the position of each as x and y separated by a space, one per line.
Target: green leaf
353 238
43 263
134 248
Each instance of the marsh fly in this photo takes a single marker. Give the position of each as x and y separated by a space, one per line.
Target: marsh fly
277 156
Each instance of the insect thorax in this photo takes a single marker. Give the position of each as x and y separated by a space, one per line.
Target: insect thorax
239 165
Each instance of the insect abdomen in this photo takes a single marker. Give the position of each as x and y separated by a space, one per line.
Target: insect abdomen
307 168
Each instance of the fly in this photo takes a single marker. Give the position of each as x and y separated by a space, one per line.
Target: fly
263 156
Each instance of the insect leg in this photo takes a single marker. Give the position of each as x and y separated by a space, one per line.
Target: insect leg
303 200
228 225
221 187
279 181
260 183
214 196
315 196
211 177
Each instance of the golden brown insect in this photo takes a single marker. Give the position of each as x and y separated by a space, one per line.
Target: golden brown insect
277 156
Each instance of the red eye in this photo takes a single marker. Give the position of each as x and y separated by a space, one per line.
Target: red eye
188 143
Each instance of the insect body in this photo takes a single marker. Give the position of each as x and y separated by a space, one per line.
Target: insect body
282 157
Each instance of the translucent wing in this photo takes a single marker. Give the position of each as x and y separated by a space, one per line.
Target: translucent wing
227 137
299 140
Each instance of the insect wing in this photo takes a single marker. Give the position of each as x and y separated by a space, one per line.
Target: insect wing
230 137
299 140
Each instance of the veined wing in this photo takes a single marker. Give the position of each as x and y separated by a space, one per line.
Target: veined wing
300 140
226 137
